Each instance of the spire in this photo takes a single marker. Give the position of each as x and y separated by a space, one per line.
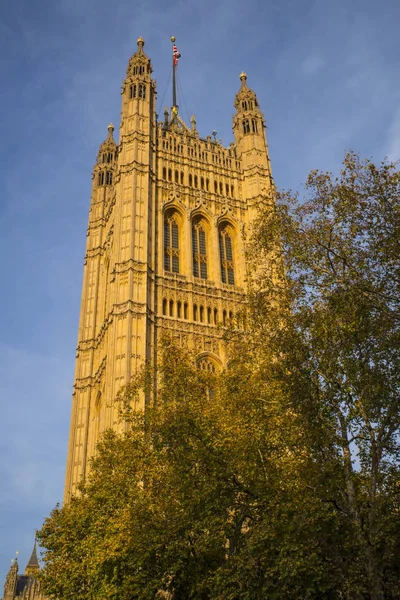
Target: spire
245 98
33 565
108 149
139 64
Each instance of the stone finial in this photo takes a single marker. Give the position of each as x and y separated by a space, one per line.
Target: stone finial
140 43
243 77
193 122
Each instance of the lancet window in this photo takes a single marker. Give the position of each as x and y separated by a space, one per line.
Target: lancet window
246 126
132 91
142 91
199 246
226 256
171 243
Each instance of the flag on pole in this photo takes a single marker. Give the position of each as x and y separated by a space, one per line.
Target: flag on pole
176 54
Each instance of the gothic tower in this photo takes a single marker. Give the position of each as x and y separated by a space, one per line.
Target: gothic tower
169 215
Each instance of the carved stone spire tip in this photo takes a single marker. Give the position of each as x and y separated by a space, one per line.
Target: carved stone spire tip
243 77
140 42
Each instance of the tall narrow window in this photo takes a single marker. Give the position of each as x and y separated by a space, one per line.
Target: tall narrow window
171 244
108 178
226 257
142 91
132 91
199 250
101 178
246 126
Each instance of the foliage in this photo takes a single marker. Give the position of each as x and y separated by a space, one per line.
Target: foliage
277 478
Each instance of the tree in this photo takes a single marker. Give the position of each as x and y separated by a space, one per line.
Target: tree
338 347
277 478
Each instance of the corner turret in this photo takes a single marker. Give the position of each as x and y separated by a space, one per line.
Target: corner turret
251 143
10 585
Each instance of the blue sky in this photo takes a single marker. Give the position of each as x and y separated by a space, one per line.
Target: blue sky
327 78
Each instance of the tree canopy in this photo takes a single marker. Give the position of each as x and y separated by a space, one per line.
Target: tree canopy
279 477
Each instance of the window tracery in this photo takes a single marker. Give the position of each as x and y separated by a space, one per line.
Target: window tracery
199 247
226 256
171 243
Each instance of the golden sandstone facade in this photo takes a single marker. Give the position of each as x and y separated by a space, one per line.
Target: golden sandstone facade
169 217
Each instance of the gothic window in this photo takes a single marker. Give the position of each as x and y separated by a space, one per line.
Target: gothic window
185 311
171 308
199 250
108 178
101 178
244 105
207 184
207 365
171 244
250 105
190 180
169 174
227 189
246 126
195 181
164 307
176 177
201 314
142 91
221 188
215 316
132 91
195 312
181 177
179 309
254 125
208 315
215 187
226 256
224 318
232 191
164 173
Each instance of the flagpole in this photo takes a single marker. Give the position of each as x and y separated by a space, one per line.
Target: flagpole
174 106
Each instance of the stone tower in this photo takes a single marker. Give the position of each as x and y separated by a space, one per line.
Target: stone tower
165 251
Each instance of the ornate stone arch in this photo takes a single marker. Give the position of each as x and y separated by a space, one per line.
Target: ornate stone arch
209 362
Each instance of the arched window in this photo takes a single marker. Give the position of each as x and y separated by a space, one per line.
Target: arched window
185 311
132 91
246 126
199 248
171 308
254 125
215 316
181 177
226 256
101 178
195 315
164 173
171 243
176 177
208 315
201 314
108 178
164 307
190 180
179 309
142 91
207 365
